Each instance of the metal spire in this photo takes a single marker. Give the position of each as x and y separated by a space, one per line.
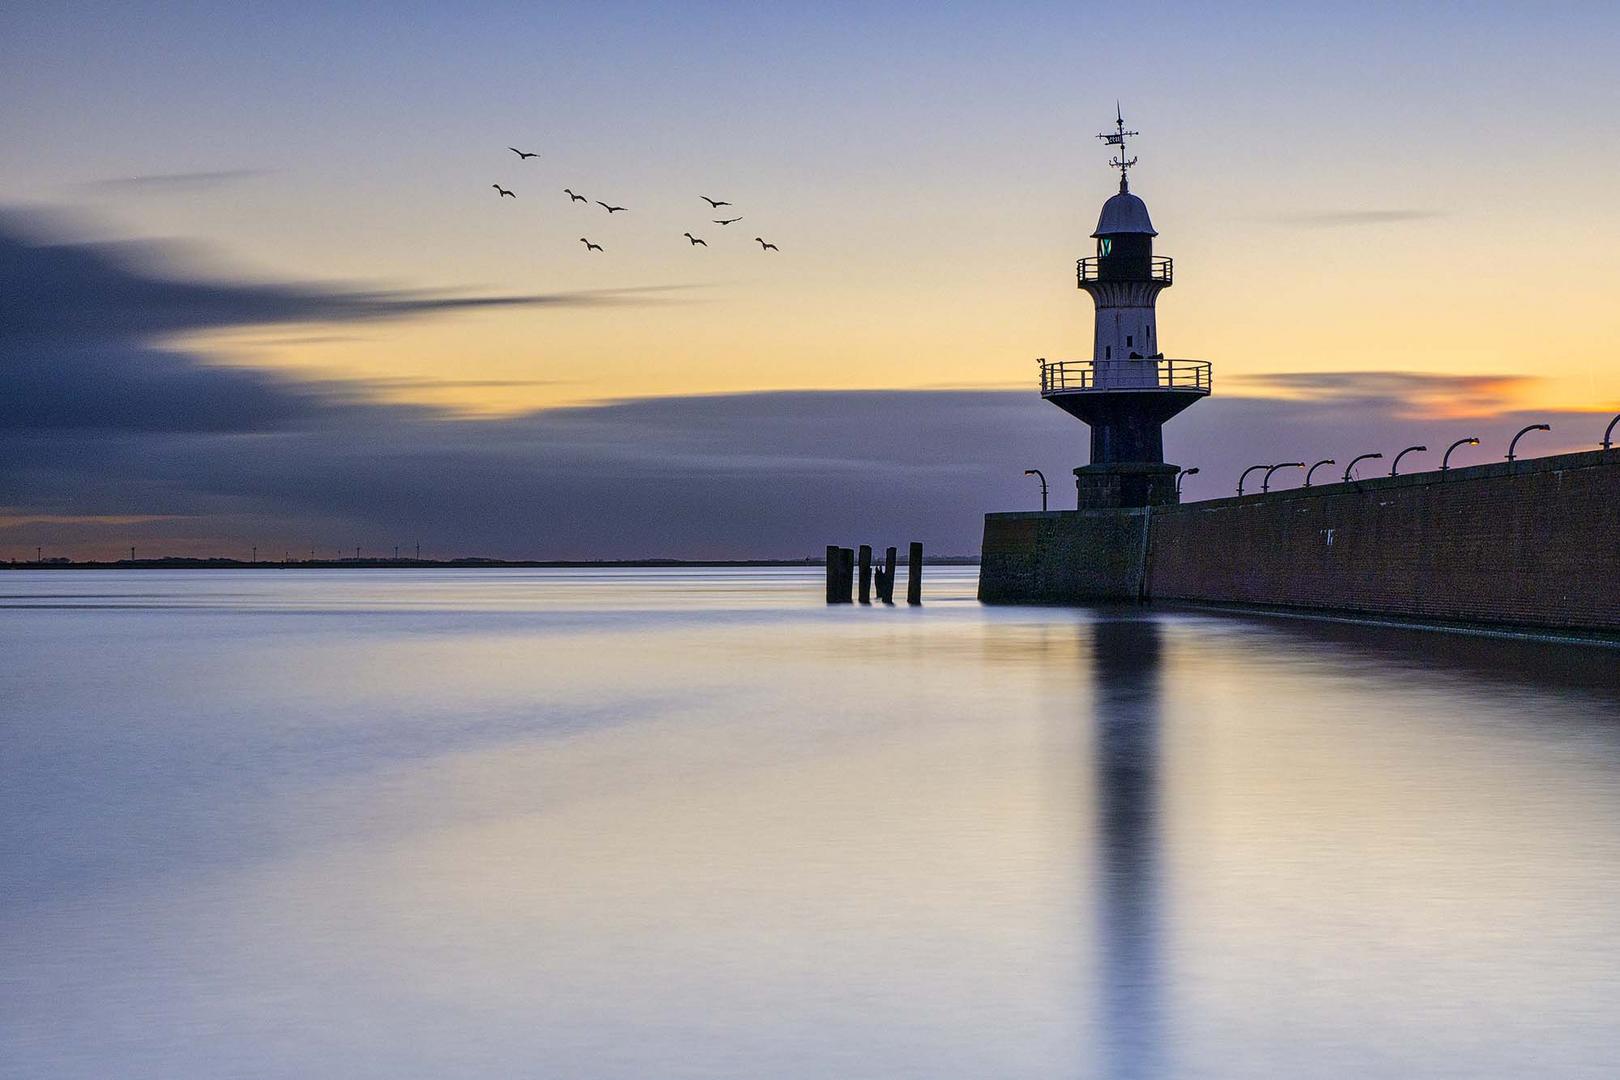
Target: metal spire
1117 138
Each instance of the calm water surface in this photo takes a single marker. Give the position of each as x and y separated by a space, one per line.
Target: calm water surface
695 824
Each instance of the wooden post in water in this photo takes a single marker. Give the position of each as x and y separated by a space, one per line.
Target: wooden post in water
914 574
866 573
832 573
888 576
846 574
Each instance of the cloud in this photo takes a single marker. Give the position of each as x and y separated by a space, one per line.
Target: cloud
83 325
1401 393
109 437
165 183
1331 219
8 520
91 291
381 384
768 474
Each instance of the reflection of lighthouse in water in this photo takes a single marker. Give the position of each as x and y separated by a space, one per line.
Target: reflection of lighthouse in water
1125 666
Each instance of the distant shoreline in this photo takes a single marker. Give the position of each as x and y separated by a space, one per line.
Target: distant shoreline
441 564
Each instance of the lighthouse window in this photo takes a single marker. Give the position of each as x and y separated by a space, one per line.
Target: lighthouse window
1105 246
1128 340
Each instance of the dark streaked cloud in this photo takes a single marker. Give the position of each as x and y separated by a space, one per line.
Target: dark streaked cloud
82 330
1409 393
394 383
769 474
1329 219
84 291
176 183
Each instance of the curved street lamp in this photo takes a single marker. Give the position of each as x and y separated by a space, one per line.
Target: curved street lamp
1245 476
1350 468
1265 481
1318 465
1037 472
1445 462
1182 475
1608 443
1513 446
1409 450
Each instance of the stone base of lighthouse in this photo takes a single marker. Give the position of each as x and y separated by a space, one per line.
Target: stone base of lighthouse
1120 485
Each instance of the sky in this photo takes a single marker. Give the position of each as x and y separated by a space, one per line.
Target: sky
259 290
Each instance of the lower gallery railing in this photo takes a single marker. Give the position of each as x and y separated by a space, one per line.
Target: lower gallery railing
1072 376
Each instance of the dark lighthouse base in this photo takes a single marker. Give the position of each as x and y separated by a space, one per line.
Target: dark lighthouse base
1112 487
1127 467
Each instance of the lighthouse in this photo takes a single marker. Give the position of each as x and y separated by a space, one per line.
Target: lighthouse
1128 389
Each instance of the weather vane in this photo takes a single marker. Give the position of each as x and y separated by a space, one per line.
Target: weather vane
1117 138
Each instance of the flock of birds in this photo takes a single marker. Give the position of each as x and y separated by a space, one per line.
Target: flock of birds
694 241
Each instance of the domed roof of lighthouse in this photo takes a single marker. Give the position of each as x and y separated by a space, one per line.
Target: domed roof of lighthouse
1124 213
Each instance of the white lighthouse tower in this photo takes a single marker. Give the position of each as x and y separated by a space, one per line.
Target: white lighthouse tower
1128 389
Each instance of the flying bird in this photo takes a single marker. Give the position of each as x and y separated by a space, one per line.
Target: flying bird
695 240
503 192
727 221
574 198
521 155
714 204
609 209
763 246
590 246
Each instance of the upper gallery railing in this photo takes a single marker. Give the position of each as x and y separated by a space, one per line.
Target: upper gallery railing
1078 376
1160 268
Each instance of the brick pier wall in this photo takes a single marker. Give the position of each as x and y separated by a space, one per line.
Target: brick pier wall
1063 556
1535 544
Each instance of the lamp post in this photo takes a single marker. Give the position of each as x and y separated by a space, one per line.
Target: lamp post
1265 481
1182 475
1445 462
1608 444
1351 468
1245 476
1318 465
1037 472
1396 464
1513 446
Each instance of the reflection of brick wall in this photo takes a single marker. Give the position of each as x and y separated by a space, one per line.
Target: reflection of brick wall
1537 544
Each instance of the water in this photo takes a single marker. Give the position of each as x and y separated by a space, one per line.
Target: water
695 824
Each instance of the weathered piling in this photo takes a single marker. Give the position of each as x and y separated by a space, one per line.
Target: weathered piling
878 577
